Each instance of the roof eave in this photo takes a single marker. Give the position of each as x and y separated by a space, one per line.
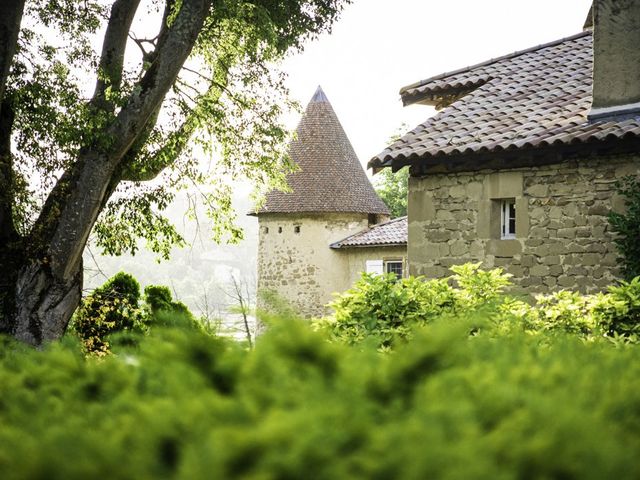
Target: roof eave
522 157
338 246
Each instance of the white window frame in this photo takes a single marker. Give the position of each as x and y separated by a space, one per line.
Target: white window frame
506 232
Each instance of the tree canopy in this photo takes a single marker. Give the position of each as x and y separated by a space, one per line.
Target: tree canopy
175 82
393 189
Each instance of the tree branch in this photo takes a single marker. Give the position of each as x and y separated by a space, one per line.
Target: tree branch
98 164
10 19
113 49
8 231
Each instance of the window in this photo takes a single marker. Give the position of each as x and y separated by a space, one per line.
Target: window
393 266
380 267
279 229
508 219
266 229
296 229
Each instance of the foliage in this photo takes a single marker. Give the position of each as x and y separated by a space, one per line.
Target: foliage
388 309
113 307
446 405
382 310
225 105
614 315
116 307
393 189
627 227
623 314
161 307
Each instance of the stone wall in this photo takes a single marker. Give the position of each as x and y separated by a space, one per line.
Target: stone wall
563 239
295 261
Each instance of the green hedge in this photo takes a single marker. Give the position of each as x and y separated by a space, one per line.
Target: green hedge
447 405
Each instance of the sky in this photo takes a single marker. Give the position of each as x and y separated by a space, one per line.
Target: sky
379 46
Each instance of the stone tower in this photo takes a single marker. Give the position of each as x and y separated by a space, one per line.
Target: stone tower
330 199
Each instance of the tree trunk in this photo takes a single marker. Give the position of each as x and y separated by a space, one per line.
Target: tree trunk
44 304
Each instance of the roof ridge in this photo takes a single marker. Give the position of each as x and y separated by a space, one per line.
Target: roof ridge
440 76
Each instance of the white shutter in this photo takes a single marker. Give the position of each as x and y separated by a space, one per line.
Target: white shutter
375 266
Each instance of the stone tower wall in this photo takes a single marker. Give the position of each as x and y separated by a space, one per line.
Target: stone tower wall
295 261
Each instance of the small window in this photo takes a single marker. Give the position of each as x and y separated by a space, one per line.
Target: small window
296 229
279 229
394 266
372 219
266 229
508 219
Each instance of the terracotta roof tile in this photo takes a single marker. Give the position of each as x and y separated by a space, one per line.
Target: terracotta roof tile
330 177
393 232
534 98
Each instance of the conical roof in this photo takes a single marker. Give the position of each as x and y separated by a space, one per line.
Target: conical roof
329 177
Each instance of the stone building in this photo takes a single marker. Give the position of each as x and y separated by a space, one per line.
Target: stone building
318 238
518 168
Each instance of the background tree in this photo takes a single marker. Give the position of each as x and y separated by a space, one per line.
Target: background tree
393 188
243 305
71 160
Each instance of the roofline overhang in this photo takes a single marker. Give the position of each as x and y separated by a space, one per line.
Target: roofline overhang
337 246
511 158
314 212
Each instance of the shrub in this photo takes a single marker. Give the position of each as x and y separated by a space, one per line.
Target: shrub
111 308
161 307
114 308
445 405
627 227
386 309
621 316
382 310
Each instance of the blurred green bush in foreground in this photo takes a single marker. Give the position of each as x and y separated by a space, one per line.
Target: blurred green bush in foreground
454 402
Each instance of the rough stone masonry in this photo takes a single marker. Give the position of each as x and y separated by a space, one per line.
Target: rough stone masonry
563 238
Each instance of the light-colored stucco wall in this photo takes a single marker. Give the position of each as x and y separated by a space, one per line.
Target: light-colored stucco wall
300 267
563 238
356 259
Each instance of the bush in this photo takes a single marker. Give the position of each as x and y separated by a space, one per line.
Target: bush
115 307
386 309
627 227
160 306
445 405
111 308
383 310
